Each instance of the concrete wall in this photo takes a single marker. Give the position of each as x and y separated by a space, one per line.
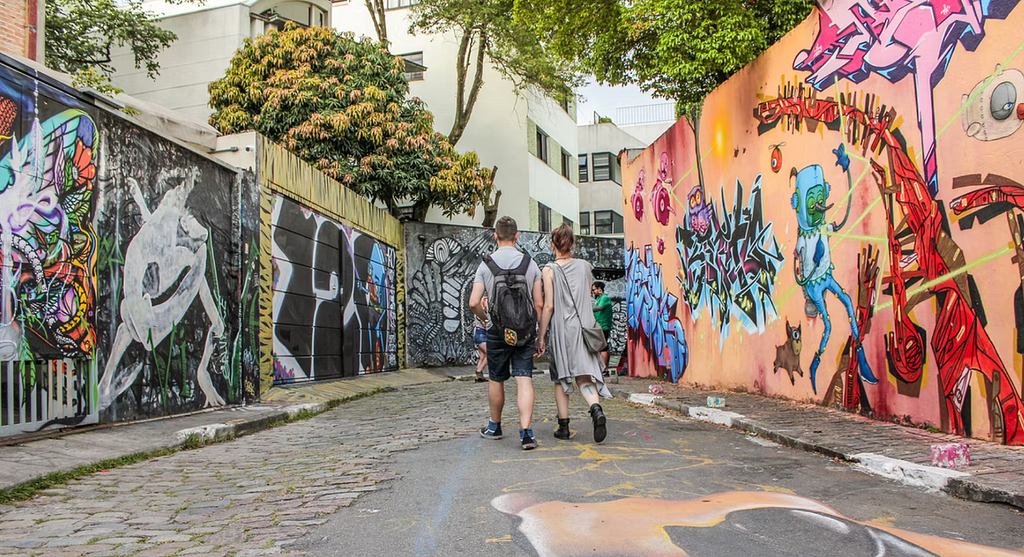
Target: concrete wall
498 130
206 42
442 261
903 299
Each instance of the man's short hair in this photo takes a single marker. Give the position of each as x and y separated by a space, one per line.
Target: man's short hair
506 229
599 284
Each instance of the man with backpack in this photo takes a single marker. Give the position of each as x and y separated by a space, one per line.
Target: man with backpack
511 282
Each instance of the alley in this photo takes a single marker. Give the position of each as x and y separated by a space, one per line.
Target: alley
365 479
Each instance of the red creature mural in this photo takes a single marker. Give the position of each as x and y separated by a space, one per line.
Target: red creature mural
960 343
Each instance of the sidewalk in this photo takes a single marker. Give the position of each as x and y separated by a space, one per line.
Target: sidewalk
996 472
20 463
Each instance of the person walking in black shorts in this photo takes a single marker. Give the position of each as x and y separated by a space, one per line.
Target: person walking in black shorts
510 349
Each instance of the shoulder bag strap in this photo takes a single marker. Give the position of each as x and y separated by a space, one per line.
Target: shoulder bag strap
571 297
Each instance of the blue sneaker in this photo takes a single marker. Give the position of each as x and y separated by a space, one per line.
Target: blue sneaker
491 431
526 438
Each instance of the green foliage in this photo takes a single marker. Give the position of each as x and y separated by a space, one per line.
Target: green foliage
489 28
676 49
340 104
511 48
82 34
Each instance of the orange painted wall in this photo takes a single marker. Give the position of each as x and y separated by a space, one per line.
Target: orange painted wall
710 301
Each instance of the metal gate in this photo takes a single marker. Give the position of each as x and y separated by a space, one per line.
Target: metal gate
36 395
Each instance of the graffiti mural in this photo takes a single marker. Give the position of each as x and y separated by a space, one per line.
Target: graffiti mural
897 131
731 258
168 268
48 141
334 300
784 525
894 39
445 259
651 309
47 179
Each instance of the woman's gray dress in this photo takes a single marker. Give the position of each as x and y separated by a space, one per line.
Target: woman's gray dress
568 352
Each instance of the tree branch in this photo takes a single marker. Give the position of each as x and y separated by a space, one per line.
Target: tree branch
461 67
465 110
376 9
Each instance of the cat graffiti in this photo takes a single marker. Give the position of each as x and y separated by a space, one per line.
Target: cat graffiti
787 356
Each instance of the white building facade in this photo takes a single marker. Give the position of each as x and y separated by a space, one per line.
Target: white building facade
530 137
600 167
600 173
208 36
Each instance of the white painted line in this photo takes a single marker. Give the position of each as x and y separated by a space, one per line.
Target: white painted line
905 472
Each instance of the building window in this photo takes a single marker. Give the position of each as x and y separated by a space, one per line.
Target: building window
607 222
584 175
566 165
602 166
567 222
585 223
542 145
396 4
543 218
417 59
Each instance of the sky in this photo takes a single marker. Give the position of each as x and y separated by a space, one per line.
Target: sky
604 99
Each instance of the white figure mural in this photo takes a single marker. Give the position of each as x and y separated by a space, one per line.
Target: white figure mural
164 271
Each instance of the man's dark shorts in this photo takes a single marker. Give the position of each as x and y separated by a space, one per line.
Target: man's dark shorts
504 361
607 337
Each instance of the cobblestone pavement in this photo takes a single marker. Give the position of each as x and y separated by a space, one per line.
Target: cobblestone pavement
251 496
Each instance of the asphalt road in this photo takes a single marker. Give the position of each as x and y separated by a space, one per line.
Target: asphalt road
405 474
658 486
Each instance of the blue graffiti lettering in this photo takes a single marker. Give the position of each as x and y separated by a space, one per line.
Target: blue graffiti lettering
652 313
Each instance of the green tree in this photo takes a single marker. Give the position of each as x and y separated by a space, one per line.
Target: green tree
676 49
488 34
341 104
82 34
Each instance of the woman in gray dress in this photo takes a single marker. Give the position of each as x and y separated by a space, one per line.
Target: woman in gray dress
567 285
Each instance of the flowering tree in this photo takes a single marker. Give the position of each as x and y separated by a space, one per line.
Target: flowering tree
340 104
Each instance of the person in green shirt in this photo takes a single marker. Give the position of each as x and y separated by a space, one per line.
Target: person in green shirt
603 314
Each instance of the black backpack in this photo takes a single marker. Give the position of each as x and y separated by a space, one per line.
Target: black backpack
512 310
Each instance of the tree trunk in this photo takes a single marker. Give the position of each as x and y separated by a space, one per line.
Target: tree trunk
464 106
419 210
491 209
376 9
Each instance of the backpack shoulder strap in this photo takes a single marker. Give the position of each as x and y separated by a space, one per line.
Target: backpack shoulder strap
524 265
495 269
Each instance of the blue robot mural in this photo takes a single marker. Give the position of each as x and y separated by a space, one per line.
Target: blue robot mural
813 256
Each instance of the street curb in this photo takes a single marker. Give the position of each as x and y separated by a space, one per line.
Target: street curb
957 484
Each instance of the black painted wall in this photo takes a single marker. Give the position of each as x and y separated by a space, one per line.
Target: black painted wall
335 311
